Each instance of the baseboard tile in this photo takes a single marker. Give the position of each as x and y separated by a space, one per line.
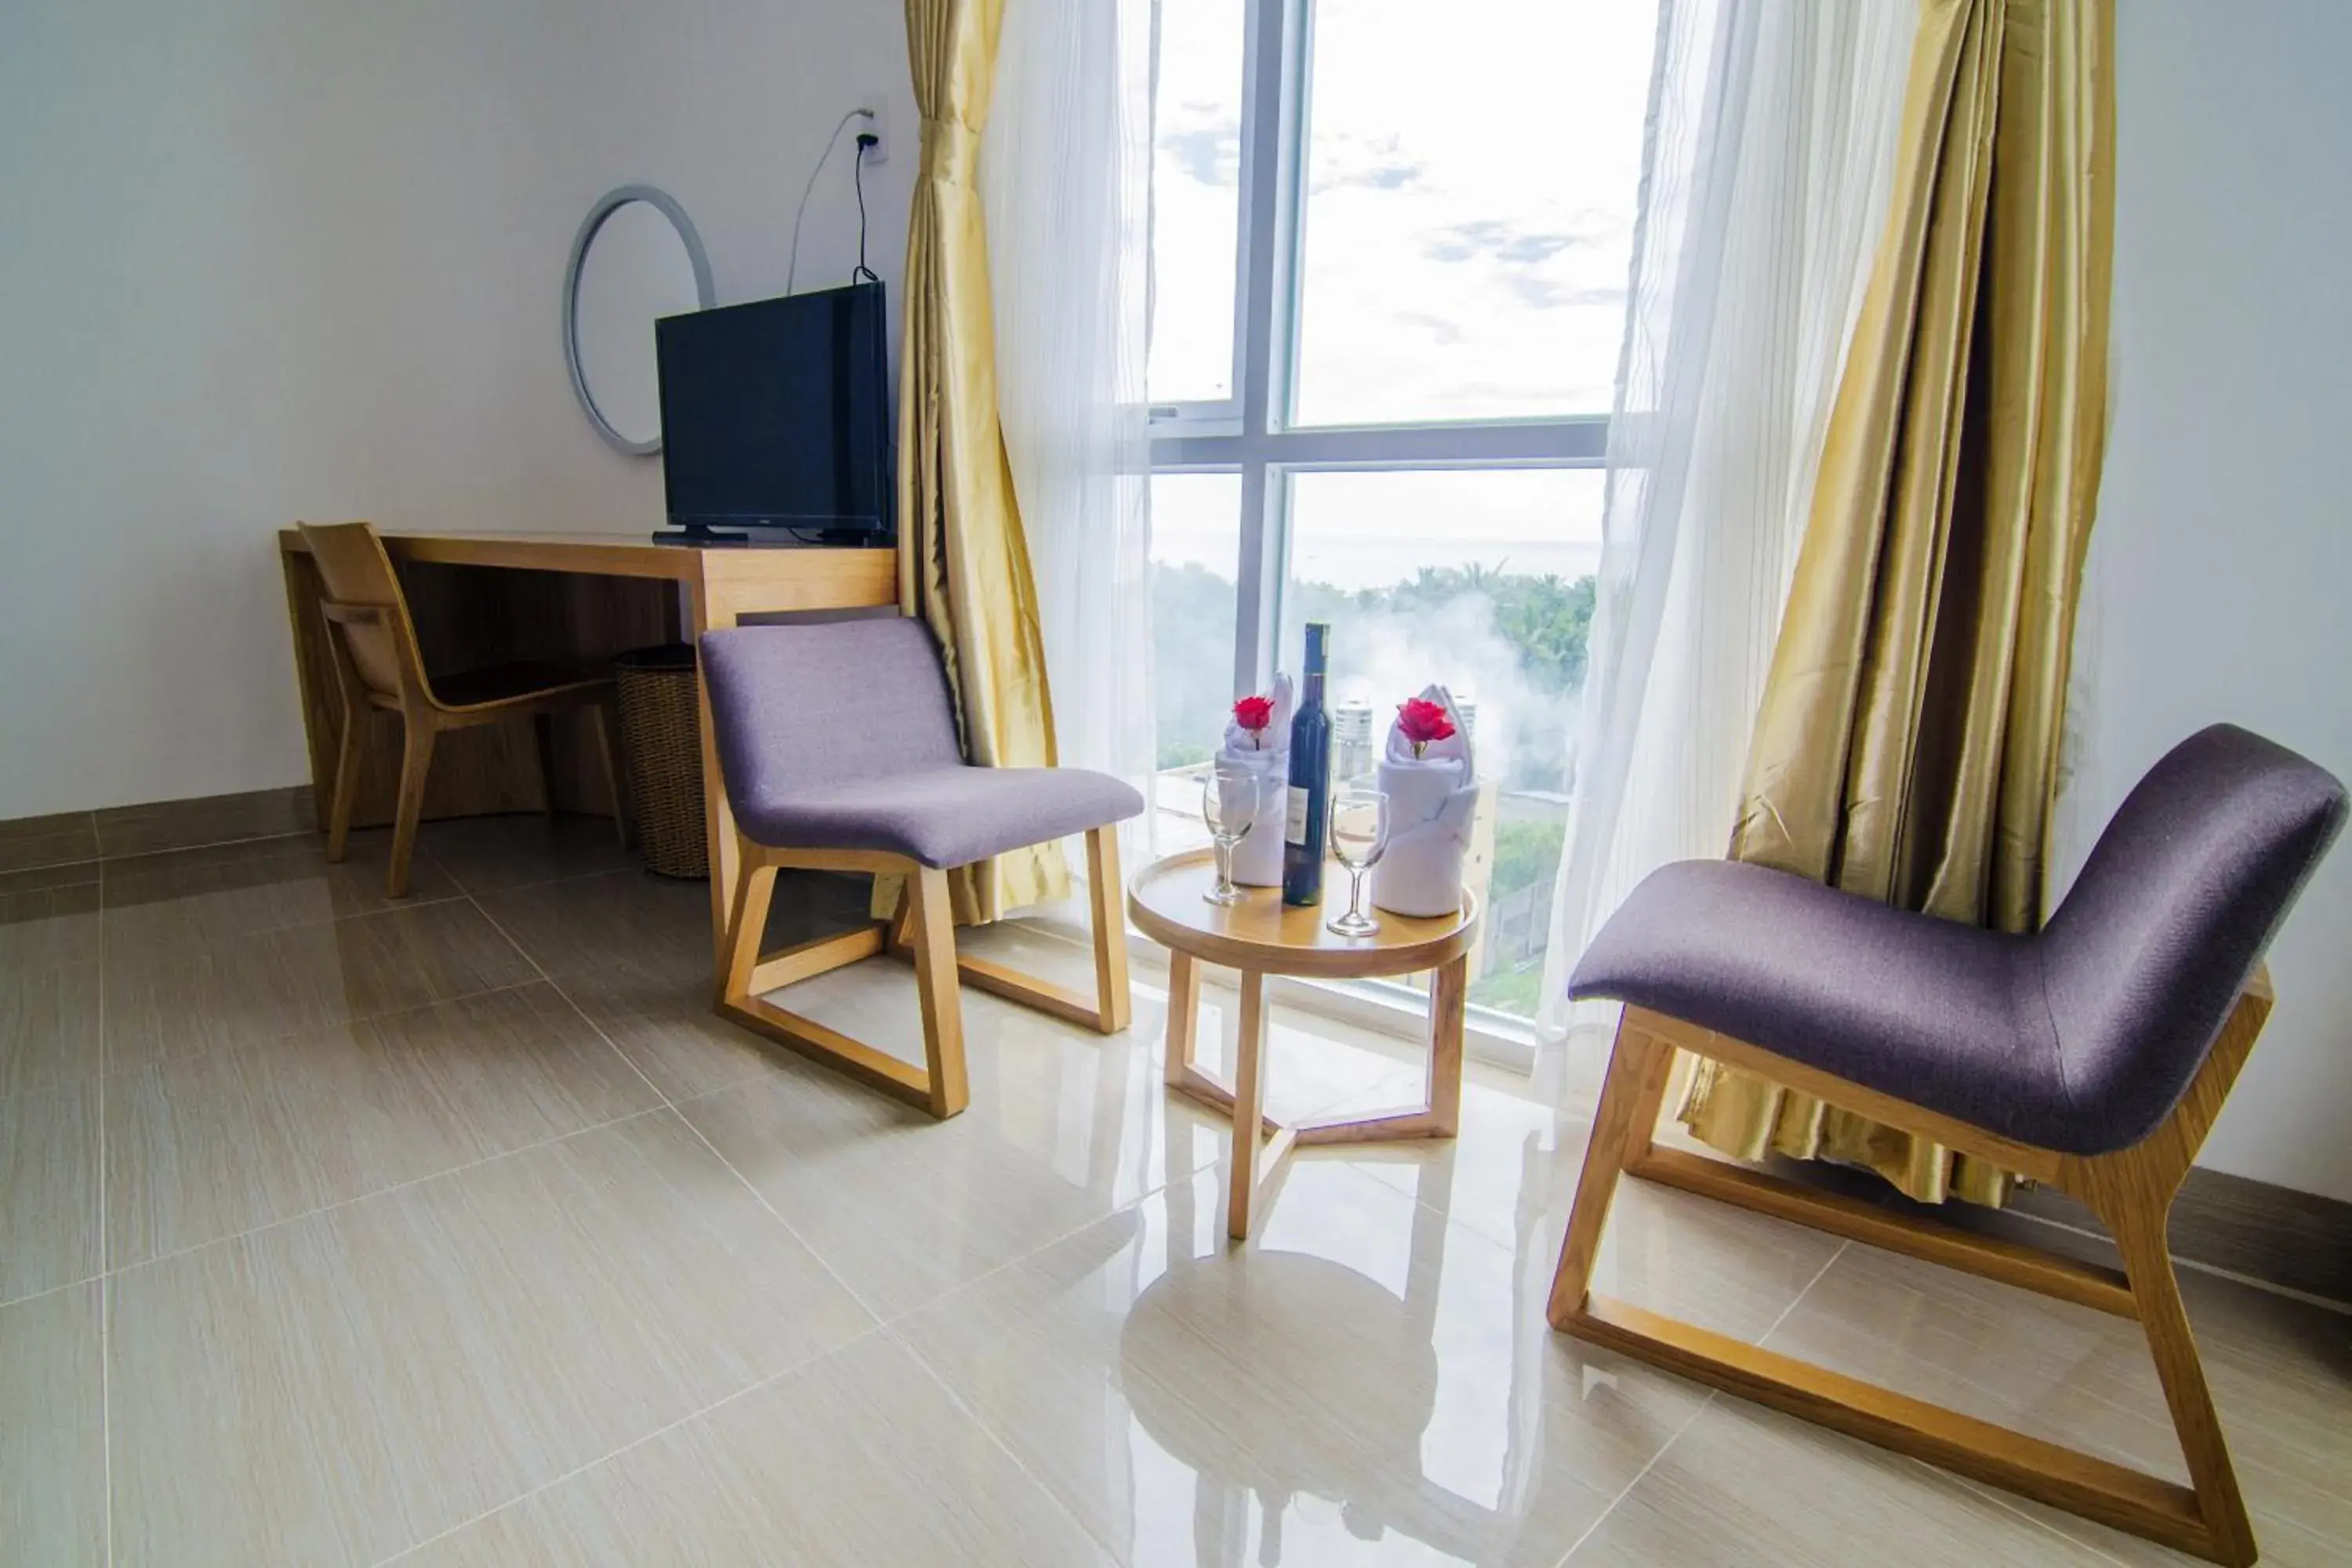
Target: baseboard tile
118 832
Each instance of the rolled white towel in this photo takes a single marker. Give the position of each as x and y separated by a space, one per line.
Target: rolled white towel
1432 800
1257 859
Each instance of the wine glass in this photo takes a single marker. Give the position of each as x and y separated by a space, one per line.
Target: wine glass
1359 833
1229 798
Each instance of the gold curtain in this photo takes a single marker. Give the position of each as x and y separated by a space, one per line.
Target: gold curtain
1907 744
963 564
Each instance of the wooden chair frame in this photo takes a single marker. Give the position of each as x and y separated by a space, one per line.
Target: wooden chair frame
2131 1190
423 715
923 929
421 722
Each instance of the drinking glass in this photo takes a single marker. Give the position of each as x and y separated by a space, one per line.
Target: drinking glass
1359 833
1229 797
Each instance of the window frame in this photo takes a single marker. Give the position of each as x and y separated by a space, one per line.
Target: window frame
1255 432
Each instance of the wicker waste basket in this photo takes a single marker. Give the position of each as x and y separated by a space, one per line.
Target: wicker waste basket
661 739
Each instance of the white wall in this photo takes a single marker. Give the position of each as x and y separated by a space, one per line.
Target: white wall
2221 562
268 260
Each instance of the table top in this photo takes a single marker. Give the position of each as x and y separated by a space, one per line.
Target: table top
1265 934
847 575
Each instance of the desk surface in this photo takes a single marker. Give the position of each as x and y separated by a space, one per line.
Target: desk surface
863 576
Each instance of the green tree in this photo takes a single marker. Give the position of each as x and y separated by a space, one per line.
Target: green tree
1526 853
1545 619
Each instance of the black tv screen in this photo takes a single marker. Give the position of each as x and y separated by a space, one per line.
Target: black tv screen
776 414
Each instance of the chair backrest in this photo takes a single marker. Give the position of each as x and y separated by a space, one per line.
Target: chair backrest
2143 961
801 708
352 564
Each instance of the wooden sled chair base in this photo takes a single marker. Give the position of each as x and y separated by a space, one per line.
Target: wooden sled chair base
2131 1190
923 932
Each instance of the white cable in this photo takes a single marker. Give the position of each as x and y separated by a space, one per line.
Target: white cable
792 263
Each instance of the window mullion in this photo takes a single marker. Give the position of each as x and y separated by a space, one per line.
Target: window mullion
1269 157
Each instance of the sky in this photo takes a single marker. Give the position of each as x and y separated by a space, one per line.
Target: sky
1469 211
1472 173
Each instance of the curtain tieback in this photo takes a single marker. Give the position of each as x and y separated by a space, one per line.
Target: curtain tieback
950 151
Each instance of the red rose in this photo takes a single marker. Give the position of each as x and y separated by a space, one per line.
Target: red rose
1423 721
1254 714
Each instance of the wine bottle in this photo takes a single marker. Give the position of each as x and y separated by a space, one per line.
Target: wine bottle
1311 779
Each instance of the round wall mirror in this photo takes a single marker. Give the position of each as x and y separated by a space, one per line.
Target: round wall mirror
636 259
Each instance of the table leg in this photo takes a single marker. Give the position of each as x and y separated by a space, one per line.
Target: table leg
1183 1017
712 611
1249 1106
1448 997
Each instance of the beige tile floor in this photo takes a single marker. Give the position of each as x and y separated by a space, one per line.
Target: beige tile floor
460 1233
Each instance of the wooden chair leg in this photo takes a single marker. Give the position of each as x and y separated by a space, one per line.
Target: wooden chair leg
347 783
1621 1128
2138 1224
745 926
2132 1191
935 981
1113 1003
606 718
415 762
1108 1010
901 939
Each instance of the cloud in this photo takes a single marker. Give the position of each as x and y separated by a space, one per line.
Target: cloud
1505 241
1209 150
1440 329
1549 294
1375 163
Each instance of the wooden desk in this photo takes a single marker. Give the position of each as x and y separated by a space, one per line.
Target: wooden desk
487 598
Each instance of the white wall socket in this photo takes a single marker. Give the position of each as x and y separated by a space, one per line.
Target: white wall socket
878 127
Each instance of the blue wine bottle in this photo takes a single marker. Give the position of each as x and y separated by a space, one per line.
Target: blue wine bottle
1310 812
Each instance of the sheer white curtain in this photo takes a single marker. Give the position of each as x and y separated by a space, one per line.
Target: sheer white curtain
1769 156
1064 177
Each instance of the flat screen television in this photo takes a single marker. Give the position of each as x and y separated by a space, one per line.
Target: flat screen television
776 415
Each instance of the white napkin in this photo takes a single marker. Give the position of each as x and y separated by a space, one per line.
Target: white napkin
1432 799
1257 859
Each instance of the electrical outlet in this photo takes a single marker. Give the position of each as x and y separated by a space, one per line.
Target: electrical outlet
873 123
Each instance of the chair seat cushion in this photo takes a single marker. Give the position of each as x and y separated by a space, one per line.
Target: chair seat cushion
1944 1015
939 816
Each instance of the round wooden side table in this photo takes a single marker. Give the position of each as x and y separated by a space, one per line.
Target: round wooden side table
1261 936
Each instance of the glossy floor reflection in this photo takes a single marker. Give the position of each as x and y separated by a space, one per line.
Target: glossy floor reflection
463 1234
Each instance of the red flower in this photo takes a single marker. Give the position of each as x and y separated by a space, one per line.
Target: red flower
1254 714
1423 721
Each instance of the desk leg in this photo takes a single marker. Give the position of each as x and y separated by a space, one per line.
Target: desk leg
714 612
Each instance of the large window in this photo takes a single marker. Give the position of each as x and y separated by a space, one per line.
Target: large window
1390 252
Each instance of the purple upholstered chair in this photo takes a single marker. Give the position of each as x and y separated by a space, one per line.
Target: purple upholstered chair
2093 1057
838 742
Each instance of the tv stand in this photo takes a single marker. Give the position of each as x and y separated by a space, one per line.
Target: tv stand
693 533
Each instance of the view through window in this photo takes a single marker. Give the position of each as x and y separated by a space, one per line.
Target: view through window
1385 330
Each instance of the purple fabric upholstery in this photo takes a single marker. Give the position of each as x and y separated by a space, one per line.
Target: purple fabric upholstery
2082 1039
840 736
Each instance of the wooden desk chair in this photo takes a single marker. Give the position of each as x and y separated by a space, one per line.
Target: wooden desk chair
378 664
2093 1057
838 743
